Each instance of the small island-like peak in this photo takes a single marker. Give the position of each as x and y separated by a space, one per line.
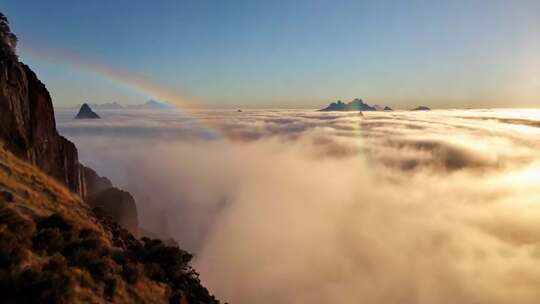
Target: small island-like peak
355 105
86 113
421 108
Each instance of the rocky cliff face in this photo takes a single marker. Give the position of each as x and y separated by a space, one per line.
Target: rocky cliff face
95 183
118 204
28 127
54 247
27 124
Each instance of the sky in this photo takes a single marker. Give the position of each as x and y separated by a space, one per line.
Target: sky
283 54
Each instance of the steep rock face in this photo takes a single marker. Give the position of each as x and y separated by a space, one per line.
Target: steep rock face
28 127
95 183
118 204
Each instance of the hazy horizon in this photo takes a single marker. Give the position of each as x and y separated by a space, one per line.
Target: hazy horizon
300 54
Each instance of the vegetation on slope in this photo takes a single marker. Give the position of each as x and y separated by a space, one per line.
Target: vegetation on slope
54 249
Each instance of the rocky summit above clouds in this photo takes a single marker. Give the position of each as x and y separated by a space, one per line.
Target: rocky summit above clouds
421 108
359 105
355 105
86 113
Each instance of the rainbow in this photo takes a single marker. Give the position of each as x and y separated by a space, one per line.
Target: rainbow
135 81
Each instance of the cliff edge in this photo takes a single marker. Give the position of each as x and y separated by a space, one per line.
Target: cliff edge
27 123
54 246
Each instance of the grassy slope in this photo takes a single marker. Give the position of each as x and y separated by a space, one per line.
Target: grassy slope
54 249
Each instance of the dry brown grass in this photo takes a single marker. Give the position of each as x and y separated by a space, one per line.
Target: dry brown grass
34 188
36 195
53 248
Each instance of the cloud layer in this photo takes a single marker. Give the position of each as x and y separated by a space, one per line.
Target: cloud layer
291 206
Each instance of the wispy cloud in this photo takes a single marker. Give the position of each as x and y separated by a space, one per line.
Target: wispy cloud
310 207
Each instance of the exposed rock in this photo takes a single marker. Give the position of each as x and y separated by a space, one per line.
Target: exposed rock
354 105
118 204
86 113
95 183
387 108
27 123
421 108
54 248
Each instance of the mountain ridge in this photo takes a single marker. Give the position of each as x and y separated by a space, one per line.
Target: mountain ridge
148 105
60 241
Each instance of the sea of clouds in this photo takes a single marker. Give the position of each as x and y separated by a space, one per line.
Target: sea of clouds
299 206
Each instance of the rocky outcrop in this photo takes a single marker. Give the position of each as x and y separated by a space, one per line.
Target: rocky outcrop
27 123
354 105
119 205
28 129
95 183
54 248
86 113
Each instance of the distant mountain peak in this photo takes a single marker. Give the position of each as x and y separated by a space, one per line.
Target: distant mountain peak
356 104
86 113
149 105
154 104
421 108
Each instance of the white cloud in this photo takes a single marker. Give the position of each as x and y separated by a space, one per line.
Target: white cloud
310 207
